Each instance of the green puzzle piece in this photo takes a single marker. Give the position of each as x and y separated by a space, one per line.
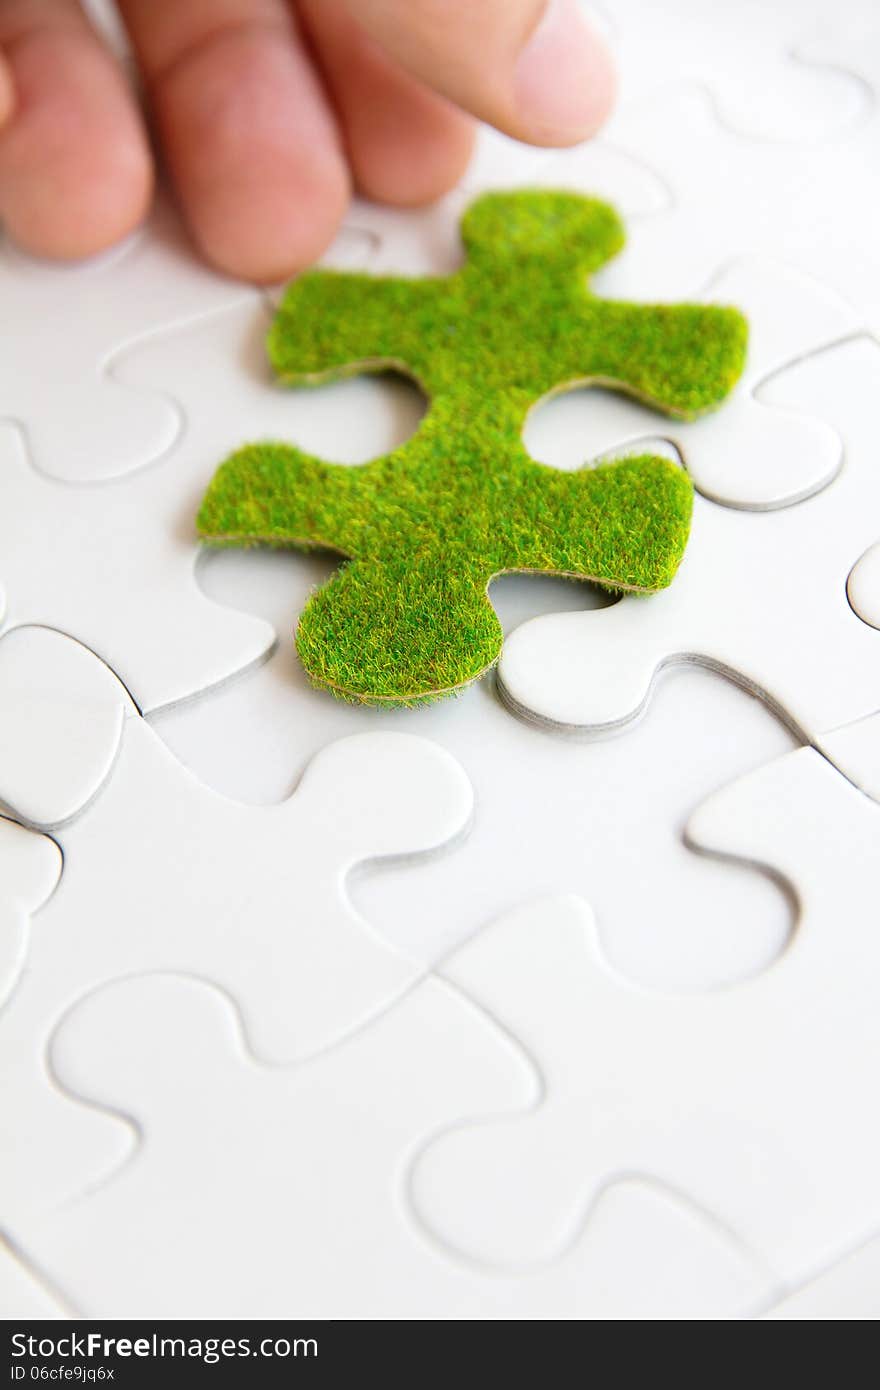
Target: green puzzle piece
426 527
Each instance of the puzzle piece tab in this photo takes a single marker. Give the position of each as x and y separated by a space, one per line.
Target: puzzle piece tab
161 873
426 527
322 1224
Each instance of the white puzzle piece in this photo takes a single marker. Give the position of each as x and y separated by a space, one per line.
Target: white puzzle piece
731 197
114 564
863 586
160 873
61 713
281 1192
30 866
761 597
751 56
62 329
745 454
755 1101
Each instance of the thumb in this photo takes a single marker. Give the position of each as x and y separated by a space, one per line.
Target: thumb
533 68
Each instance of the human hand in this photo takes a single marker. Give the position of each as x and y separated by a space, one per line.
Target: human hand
266 112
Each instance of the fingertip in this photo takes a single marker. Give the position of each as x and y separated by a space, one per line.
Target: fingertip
274 237
78 208
75 169
254 154
565 81
418 169
407 145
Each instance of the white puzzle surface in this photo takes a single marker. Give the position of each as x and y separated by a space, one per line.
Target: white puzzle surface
519 1005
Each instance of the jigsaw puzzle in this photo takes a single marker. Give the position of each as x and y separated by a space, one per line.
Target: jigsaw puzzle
574 1067
427 527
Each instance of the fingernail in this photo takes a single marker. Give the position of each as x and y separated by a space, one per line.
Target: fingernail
564 79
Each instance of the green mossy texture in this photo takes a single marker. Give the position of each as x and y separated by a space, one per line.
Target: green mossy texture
426 527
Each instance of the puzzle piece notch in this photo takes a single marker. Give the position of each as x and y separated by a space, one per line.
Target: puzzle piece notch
97 430
751 455
426 527
163 874
136 602
596 670
750 1099
326 1230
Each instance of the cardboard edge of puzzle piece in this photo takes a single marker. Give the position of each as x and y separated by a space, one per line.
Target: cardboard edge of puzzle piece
61 717
594 672
863 586
854 749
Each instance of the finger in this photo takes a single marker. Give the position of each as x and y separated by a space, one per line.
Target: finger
533 68
7 92
75 167
405 143
249 137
